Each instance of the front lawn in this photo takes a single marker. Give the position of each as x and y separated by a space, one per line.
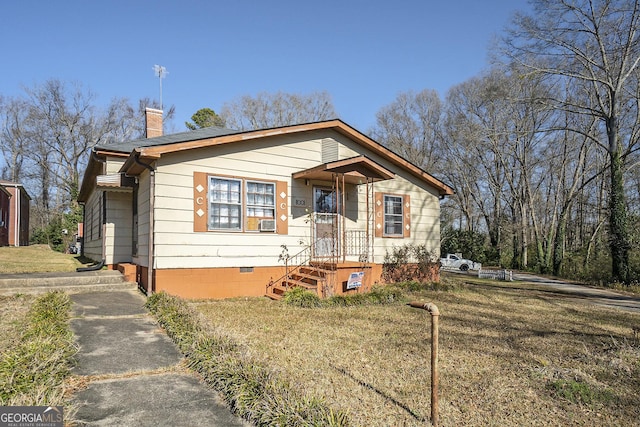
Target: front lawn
507 357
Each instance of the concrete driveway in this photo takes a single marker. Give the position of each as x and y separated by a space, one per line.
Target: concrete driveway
598 296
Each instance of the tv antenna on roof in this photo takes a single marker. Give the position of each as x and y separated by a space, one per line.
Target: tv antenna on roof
161 72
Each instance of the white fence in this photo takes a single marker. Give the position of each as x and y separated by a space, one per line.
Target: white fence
505 275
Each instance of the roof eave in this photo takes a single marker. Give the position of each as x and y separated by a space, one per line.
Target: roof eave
138 162
336 124
94 168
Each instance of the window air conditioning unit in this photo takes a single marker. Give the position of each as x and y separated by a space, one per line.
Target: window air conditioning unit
267 225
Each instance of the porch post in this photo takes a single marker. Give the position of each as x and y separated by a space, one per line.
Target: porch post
344 223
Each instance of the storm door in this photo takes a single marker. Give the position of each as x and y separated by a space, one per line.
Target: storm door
325 222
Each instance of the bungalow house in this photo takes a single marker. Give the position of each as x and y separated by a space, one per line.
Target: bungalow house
14 214
216 213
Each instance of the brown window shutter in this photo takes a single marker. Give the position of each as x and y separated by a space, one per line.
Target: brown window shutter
378 210
282 207
406 223
200 201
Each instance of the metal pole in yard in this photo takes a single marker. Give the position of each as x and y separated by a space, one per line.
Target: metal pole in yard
435 314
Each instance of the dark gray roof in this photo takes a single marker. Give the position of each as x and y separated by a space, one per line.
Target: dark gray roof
193 135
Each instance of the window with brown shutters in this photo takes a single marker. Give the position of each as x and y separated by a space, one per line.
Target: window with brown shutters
241 204
392 213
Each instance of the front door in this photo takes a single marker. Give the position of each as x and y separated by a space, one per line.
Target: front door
325 227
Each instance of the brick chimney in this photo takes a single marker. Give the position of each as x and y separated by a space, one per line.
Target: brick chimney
153 122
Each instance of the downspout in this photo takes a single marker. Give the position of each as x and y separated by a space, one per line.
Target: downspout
150 250
103 226
84 221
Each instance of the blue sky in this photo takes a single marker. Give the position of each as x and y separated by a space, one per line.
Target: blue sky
362 52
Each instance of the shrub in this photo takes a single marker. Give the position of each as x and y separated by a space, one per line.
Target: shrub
410 263
301 297
384 295
445 284
377 295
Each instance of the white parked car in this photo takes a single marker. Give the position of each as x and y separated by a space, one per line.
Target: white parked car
455 262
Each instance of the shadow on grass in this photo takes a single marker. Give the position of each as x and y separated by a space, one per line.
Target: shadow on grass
610 300
83 259
381 393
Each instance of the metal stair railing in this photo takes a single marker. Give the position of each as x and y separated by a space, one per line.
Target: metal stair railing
300 259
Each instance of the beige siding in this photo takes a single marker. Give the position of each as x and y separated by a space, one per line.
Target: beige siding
114 249
118 228
142 257
177 245
425 218
92 241
114 164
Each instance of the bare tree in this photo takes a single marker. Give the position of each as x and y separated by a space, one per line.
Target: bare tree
410 126
13 139
594 48
63 122
46 136
278 109
475 134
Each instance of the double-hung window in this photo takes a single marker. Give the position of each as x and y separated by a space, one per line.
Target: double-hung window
225 204
239 204
261 203
393 215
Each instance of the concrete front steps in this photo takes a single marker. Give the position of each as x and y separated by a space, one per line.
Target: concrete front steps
36 283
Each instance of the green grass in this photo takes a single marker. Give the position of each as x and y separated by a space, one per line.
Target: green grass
13 315
32 370
35 259
579 392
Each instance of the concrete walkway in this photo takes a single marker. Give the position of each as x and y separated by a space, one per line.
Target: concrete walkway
134 371
88 281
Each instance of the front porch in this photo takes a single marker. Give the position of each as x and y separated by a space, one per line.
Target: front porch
339 258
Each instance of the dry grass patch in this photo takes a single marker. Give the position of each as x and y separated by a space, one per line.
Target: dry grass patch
13 313
35 259
33 368
508 357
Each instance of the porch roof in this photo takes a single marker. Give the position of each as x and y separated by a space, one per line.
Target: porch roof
356 170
